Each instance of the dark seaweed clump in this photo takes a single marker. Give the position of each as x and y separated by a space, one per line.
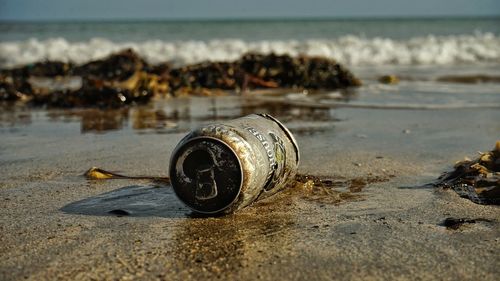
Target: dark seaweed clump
478 179
124 78
457 223
118 80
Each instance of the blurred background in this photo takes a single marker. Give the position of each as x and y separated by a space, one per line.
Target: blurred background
431 52
354 32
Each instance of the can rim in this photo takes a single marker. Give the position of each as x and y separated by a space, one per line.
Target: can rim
287 132
171 168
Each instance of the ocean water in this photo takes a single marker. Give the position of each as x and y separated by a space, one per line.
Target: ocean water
352 42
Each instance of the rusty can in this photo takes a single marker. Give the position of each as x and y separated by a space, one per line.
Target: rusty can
223 167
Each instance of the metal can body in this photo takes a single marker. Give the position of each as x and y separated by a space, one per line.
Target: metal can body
223 167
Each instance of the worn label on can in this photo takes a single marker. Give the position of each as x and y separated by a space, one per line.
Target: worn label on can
275 151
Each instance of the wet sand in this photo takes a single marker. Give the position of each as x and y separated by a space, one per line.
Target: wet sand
55 224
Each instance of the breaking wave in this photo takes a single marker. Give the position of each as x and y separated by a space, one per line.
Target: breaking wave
351 50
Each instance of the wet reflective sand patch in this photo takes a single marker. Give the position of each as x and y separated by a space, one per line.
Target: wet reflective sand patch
133 200
160 200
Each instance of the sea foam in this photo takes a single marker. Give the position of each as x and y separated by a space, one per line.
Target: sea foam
351 50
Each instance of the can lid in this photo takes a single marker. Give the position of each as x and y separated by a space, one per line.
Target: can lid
206 174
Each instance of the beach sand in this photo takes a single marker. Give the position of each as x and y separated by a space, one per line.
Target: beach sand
55 224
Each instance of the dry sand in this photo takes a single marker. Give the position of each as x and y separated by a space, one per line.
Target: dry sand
56 225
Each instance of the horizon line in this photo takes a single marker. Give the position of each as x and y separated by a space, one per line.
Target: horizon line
253 19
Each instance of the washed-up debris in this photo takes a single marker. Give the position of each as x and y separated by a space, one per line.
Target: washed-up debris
456 223
40 69
297 72
254 71
120 79
478 179
224 167
192 79
469 79
119 66
15 89
389 79
138 89
124 78
96 173
9 92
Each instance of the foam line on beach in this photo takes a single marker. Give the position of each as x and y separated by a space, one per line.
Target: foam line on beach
351 50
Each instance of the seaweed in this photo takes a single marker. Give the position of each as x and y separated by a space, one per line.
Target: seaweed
124 79
389 79
457 223
41 69
478 179
119 66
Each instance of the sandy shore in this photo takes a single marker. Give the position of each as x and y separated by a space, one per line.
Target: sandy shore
55 224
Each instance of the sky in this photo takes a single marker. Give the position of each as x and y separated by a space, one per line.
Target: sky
36 10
